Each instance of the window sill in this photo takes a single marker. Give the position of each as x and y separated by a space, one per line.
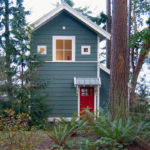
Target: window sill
64 61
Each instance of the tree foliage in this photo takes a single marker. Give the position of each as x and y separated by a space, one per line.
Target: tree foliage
19 85
139 41
100 19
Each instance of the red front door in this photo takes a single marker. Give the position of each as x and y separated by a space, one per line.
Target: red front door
87 98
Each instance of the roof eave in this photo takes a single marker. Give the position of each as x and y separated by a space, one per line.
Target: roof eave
37 24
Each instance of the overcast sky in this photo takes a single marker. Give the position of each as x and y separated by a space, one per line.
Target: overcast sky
40 7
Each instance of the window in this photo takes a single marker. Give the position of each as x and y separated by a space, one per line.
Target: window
85 50
42 49
86 91
63 48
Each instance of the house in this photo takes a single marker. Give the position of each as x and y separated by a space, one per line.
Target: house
68 43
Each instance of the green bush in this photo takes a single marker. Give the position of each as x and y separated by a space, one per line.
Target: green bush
105 143
20 140
121 132
62 132
10 122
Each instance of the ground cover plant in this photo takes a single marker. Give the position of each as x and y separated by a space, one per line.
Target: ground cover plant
88 133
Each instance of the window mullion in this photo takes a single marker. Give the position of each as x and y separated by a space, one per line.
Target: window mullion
63 49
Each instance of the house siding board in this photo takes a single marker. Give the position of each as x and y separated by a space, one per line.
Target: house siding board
104 89
60 91
84 36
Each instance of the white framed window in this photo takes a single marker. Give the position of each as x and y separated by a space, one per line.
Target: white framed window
42 49
86 50
64 48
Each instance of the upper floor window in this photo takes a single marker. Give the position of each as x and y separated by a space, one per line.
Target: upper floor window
42 49
85 50
63 48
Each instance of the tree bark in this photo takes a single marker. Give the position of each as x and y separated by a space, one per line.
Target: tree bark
129 19
8 50
137 71
119 61
108 29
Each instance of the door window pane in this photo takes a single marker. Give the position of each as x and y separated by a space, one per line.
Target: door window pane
84 92
87 91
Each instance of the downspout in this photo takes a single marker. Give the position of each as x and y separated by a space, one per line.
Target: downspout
98 75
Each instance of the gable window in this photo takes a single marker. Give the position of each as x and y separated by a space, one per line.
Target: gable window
42 49
63 48
85 50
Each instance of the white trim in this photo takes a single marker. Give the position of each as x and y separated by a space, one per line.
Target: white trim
98 61
104 69
95 92
43 20
54 38
69 61
98 100
49 61
52 119
86 53
78 102
98 74
42 46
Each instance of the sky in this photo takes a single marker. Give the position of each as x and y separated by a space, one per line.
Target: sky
40 7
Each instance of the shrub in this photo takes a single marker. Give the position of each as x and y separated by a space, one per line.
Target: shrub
10 122
62 132
121 132
105 143
20 140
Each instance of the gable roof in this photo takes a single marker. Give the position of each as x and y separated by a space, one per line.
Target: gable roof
49 16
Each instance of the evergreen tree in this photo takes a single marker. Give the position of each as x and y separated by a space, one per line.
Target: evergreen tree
7 48
20 85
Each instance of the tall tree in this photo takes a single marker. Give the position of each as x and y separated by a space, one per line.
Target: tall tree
6 44
108 29
18 74
139 41
119 61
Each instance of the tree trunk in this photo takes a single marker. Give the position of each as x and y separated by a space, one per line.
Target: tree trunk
137 71
108 29
119 61
8 50
129 19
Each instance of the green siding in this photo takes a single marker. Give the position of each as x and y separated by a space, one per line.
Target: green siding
104 89
60 91
84 36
